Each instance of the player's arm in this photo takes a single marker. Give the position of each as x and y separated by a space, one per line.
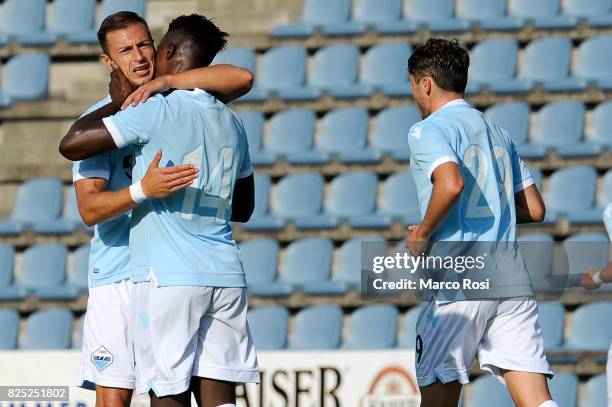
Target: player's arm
594 278
529 205
226 82
97 205
243 199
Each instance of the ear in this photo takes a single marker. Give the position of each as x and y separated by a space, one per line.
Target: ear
170 51
107 61
427 85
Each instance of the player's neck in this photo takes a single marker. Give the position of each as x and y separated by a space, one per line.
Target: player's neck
444 99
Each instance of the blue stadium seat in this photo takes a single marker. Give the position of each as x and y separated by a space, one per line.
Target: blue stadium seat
407 337
315 15
9 321
579 206
242 57
269 327
547 62
70 220
298 195
261 219
399 202
79 277
348 268
390 133
317 328
26 77
581 252
291 136
385 69
487 391
493 64
43 271
594 61
37 200
560 126
537 250
308 260
542 13
260 259
48 329
514 118
281 68
8 289
382 16
77 335
552 321
109 7
601 125
596 12
436 15
74 20
488 14
253 122
372 327
591 327
352 195
24 21
595 392
564 389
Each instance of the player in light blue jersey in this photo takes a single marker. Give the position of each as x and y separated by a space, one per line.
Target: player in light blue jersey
472 187
189 300
104 200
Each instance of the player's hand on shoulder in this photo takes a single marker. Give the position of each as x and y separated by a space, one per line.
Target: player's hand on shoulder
157 85
416 242
588 279
161 182
119 87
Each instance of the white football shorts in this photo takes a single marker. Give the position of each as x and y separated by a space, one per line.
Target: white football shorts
185 331
504 334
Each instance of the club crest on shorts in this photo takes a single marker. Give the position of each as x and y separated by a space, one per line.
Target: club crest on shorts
102 358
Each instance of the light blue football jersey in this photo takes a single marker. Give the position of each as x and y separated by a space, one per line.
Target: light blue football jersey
186 238
492 171
109 258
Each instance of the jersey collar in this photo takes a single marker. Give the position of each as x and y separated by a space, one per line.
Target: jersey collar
455 102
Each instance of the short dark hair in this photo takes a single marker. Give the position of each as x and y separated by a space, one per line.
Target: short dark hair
118 21
207 38
447 62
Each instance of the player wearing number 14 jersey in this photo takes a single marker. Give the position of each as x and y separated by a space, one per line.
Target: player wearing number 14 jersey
472 187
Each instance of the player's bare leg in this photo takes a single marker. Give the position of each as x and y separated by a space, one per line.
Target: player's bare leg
213 393
527 389
175 400
440 394
112 397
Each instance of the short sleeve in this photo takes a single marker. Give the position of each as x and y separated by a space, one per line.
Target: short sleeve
136 125
429 148
246 168
522 177
97 166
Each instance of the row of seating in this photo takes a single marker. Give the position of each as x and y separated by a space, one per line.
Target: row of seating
26 22
345 133
337 70
340 17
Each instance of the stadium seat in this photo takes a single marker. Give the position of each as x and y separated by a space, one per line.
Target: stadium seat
493 64
596 12
269 327
298 195
382 16
537 251
73 20
604 195
317 328
242 57
37 200
600 131
307 260
43 271
291 136
253 122
487 391
372 327
8 290
399 202
594 61
595 392
352 195
564 389
70 220
260 259
488 14
77 335
281 68
407 337
315 15
48 329
591 327
552 321
547 62
579 206
514 118
108 7
541 14
79 276
26 77
436 15
260 219
390 133
385 70
24 21
9 321
560 126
